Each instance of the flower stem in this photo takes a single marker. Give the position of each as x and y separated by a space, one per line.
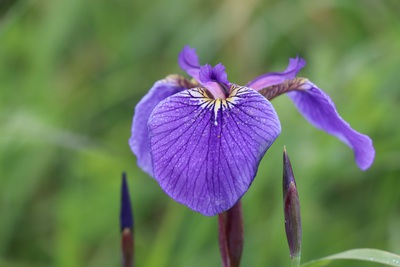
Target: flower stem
295 261
230 228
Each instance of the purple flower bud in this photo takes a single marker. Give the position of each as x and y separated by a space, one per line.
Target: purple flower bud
230 228
126 217
126 225
291 207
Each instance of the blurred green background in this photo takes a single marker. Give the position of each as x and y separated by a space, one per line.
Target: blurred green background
71 72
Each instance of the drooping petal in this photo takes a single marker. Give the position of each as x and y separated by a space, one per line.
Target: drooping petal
318 108
189 61
206 151
273 78
139 140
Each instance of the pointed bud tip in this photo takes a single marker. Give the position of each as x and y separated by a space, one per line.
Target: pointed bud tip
126 216
288 176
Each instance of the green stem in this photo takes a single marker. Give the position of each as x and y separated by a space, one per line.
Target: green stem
295 261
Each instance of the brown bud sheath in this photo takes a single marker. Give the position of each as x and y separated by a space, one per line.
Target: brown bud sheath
291 206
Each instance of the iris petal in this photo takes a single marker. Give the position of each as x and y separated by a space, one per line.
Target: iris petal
318 108
216 74
206 151
215 80
189 62
139 141
273 78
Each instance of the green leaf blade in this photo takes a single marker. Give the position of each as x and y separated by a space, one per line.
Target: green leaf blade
363 254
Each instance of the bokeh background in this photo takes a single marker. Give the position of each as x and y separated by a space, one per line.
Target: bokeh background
71 73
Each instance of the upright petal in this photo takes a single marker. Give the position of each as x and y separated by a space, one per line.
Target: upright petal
215 80
139 141
189 62
318 108
216 74
273 78
206 151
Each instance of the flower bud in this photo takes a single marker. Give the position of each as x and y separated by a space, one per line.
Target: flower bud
291 207
126 225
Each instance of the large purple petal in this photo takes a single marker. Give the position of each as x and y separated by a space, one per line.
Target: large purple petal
273 78
189 62
318 108
139 141
206 152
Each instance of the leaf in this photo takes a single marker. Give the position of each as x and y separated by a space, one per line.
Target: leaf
362 254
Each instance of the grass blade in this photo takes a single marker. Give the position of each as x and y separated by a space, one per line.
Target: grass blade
362 254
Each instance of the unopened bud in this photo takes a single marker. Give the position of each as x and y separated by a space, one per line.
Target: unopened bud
291 206
126 225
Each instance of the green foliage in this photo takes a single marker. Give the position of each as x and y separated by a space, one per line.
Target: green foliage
72 71
364 254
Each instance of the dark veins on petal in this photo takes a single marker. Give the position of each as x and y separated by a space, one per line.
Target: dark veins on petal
205 151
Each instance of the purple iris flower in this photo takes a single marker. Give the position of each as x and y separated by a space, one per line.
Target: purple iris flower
202 139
